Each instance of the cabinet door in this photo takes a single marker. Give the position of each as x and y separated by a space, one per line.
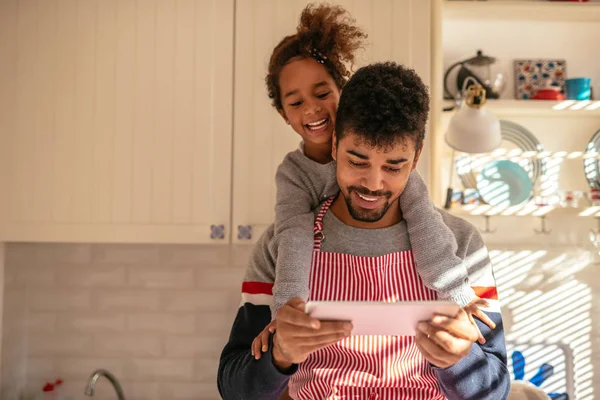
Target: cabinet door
399 30
116 120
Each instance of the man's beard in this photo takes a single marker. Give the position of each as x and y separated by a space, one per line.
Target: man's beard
363 215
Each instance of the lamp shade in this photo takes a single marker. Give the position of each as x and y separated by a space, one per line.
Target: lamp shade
473 130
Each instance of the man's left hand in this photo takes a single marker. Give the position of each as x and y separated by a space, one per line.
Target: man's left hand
444 340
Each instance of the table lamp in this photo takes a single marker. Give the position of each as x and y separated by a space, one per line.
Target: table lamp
472 129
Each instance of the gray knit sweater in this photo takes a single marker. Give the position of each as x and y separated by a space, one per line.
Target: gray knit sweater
303 184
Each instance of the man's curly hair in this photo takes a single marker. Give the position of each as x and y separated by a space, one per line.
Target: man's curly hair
384 104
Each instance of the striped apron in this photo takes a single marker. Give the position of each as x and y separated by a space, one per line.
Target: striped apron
365 367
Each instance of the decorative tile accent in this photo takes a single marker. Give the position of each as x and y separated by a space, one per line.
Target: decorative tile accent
244 232
532 75
217 231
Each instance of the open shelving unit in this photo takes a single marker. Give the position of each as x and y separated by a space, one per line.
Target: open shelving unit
549 117
522 210
534 10
542 108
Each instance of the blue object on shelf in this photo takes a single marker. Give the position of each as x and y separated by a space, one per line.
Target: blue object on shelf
578 88
504 183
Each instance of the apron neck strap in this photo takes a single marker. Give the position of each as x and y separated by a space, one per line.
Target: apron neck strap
318 229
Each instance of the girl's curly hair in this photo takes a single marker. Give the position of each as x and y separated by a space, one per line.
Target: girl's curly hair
325 32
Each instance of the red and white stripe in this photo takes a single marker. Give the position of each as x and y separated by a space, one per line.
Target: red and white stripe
257 293
365 367
483 283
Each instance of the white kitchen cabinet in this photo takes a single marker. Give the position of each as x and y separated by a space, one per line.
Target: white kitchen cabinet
148 121
116 120
399 30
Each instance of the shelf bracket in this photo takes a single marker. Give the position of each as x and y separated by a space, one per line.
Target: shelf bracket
543 231
487 225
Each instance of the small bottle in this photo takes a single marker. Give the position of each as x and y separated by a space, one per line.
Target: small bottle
58 392
48 392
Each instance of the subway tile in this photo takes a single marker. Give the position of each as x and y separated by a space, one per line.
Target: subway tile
19 254
125 254
41 322
241 254
127 345
162 323
142 390
126 300
220 278
205 369
34 276
59 300
72 368
214 324
161 277
90 277
103 390
200 300
196 255
48 253
15 300
72 253
41 367
194 346
11 277
59 345
188 391
91 322
162 369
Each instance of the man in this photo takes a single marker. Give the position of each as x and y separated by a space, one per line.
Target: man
362 253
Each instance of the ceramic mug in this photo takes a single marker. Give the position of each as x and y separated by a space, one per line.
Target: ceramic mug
578 88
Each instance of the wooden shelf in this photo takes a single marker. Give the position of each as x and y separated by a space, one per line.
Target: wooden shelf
528 210
541 108
518 154
534 10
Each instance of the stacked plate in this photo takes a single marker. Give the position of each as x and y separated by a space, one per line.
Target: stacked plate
590 165
507 176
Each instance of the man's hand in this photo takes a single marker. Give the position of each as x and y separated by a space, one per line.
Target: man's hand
297 335
444 340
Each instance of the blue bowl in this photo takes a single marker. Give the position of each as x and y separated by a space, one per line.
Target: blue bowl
578 88
504 183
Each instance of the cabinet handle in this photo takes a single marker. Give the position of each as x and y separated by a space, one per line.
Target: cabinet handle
217 231
244 232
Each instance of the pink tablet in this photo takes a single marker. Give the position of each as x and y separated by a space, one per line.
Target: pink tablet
376 318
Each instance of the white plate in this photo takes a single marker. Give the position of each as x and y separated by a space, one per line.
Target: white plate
377 318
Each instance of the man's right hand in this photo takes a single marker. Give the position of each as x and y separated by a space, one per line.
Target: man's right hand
297 335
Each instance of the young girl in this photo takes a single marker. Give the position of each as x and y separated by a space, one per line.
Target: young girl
306 74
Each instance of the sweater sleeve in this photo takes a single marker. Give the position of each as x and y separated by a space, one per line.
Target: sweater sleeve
302 184
483 373
434 245
240 376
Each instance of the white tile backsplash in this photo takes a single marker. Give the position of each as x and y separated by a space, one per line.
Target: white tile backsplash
162 329
156 316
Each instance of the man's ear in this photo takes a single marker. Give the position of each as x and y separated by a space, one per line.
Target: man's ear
282 113
417 156
334 147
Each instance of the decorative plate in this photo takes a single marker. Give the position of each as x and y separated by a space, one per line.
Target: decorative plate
513 136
